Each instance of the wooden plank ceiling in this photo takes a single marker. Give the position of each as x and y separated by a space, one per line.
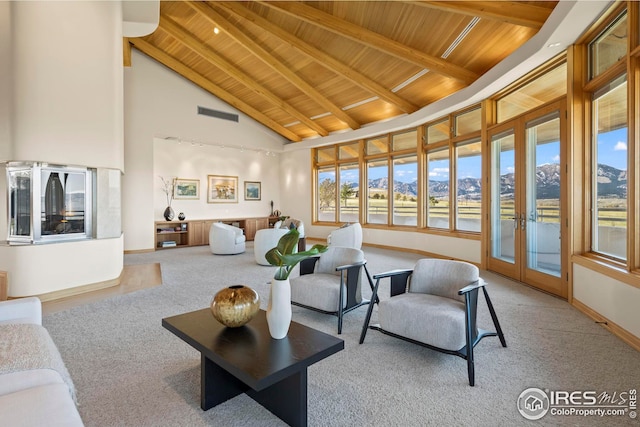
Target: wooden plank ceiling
310 68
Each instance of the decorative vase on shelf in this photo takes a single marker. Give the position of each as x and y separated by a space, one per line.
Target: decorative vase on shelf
169 214
181 216
235 306
279 308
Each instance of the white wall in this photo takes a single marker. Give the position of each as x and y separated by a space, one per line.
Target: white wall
610 298
64 105
171 159
67 83
159 103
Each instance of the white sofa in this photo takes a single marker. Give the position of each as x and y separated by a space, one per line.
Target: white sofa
35 387
266 239
349 236
225 239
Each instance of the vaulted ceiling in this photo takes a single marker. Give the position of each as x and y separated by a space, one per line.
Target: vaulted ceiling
312 68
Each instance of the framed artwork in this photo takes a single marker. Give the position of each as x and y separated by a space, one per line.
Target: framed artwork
252 190
186 189
222 189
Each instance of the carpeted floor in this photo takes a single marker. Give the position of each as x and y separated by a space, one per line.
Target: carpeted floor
129 371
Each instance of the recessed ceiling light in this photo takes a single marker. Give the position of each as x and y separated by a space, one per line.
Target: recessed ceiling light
216 30
554 45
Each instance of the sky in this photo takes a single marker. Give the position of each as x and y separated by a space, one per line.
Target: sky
612 151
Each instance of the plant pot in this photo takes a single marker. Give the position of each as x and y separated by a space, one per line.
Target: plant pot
169 214
236 305
279 309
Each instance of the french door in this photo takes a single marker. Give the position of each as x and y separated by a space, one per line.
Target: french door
527 224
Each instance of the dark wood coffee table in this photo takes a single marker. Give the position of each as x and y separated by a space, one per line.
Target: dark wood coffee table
247 360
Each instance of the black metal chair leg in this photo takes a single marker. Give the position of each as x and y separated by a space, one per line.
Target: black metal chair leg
494 317
374 298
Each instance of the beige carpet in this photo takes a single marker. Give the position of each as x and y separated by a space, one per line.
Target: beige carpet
129 371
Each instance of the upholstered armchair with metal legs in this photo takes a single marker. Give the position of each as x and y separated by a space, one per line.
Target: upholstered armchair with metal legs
330 283
435 306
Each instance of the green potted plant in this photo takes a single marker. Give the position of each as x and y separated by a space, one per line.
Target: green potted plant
285 257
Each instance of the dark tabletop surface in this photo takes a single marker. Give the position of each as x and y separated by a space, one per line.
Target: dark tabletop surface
249 352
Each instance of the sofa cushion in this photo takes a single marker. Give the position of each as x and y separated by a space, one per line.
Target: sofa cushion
28 346
48 405
20 380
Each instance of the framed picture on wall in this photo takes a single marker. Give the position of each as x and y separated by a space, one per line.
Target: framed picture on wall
222 189
188 189
252 190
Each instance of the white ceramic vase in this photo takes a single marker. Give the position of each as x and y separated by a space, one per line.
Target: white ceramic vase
279 308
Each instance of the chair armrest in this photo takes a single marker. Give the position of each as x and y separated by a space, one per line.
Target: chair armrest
307 265
472 286
347 266
391 273
21 310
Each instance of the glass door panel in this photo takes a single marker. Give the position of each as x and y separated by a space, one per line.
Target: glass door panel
503 179
542 225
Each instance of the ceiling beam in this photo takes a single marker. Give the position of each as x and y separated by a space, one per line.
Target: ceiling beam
319 56
212 88
510 12
231 30
212 57
374 40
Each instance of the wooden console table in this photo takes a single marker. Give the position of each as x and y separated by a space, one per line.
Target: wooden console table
196 232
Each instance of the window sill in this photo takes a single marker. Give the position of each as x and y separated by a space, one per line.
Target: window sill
610 268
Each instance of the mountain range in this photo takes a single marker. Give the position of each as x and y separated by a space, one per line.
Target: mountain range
612 182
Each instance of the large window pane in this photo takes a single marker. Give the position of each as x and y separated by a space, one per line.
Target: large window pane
468 186
438 189
609 47
349 193
378 192
609 228
327 194
405 190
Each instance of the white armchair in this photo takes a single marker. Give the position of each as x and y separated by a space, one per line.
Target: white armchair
264 240
349 236
226 239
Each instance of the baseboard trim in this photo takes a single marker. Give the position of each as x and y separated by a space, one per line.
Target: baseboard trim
610 326
78 290
139 251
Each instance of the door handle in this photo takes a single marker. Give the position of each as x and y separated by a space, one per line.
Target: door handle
515 222
523 221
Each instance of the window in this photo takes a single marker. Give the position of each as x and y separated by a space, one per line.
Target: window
349 193
438 196
326 195
468 122
609 47
468 185
49 203
609 204
405 190
378 191
545 88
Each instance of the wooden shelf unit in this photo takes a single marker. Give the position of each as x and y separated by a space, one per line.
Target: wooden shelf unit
171 231
196 232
